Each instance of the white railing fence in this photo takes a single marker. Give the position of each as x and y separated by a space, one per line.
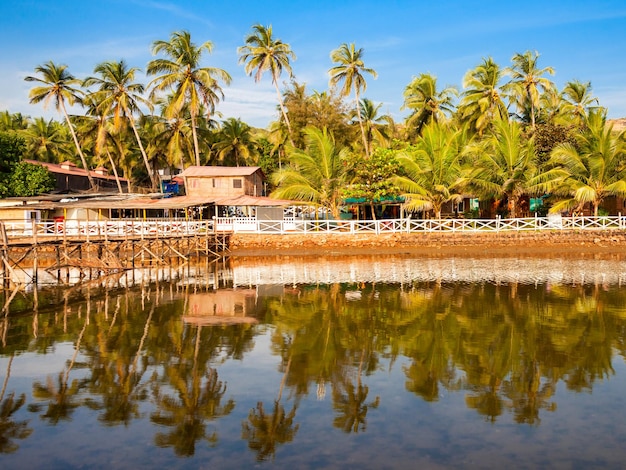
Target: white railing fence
166 227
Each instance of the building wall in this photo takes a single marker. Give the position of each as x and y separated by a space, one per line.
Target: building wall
222 186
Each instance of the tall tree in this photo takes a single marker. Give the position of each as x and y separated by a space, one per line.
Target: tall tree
58 85
47 141
316 174
263 53
589 171
578 101
119 96
427 103
194 87
505 165
482 101
350 70
432 169
235 143
528 82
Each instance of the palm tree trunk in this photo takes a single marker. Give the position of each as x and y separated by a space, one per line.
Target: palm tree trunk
194 133
282 107
143 154
117 178
92 185
358 115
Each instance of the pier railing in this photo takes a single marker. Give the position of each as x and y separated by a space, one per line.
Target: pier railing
137 228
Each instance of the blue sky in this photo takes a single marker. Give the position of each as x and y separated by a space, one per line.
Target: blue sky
581 40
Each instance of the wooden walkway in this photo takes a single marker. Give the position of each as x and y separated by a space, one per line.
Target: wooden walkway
63 250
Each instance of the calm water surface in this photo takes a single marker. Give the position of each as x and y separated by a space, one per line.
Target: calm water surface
378 363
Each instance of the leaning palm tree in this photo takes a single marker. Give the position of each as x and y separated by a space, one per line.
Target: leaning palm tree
527 83
432 169
316 174
482 101
264 53
426 102
193 86
119 96
591 170
57 85
349 70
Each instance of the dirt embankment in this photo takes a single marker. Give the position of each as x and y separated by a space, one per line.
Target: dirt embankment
605 244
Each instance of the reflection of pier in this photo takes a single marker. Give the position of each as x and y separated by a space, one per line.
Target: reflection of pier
94 249
398 269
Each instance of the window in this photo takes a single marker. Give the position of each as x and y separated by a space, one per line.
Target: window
237 184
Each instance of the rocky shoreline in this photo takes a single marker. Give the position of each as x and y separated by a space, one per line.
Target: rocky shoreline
607 244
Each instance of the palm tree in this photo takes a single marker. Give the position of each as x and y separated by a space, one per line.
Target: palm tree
262 53
433 169
528 82
505 164
46 140
120 97
589 171
578 100
193 86
316 174
57 85
235 142
482 99
426 102
373 123
349 70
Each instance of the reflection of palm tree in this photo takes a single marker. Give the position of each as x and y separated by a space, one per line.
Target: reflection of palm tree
351 406
196 403
61 398
10 429
264 431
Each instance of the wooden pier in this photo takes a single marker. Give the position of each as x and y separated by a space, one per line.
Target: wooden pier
94 249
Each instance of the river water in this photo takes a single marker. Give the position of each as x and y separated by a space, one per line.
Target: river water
340 362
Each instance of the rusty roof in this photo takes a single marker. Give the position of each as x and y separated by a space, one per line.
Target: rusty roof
214 171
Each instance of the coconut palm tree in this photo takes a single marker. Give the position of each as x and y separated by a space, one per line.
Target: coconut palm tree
263 53
589 171
102 133
57 85
234 143
482 102
349 70
426 102
578 100
47 141
194 87
505 164
316 174
119 96
375 125
433 169
527 83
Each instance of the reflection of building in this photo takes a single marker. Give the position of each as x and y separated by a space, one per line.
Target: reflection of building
223 306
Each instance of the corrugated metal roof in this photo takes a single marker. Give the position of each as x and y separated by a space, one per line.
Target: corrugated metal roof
139 202
212 171
71 169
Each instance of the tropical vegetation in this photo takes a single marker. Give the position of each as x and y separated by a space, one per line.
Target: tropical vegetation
506 135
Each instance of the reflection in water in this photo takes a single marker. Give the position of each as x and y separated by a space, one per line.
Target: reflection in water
206 370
